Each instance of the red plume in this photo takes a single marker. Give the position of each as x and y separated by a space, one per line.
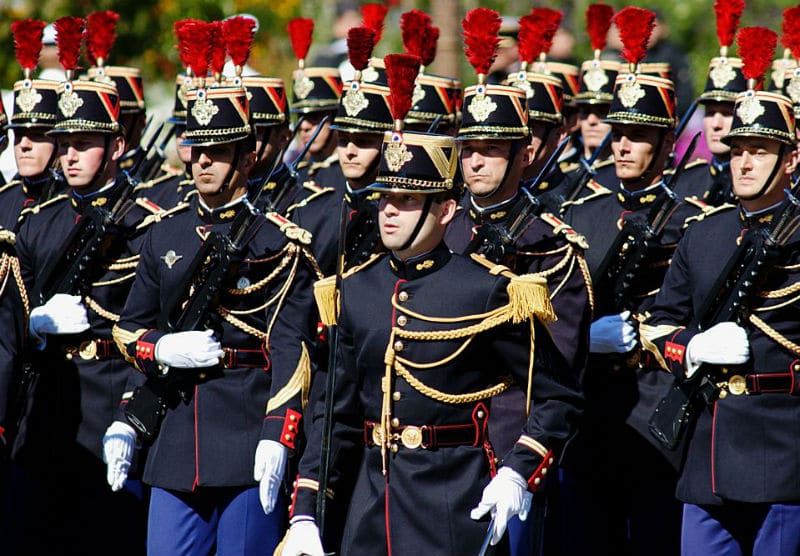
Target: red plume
194 44
301 31
635 27
729 12
598 22
360 42
413 26
791 30
429 45
101 32
756 49
540 28
69 33
239 34
481 27
372 16
401 72
28 41
217 54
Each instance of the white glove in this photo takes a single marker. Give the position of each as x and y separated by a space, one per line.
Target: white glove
612 334
118 444
268 470
62 314
723 344
505 496
303 538
189 350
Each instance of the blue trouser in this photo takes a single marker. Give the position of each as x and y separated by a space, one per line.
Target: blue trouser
739 529
221 521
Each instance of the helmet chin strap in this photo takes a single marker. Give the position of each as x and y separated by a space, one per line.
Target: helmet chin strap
234 164
426 208
772 175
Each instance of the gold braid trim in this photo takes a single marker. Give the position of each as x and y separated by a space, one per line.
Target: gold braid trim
782 340
543 253
289 251
558 266
444 397
308 199
123 263
94 306
783 292
16 271
649 333
789 267
777 305
114 281
241 325
123 337
313 262
554 292
4 273
299 382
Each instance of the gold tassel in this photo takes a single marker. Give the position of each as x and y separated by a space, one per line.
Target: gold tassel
528 296
327 300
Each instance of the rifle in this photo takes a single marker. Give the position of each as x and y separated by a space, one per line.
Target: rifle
155 154
587 171
619 272
288 179
71 272
730 300
192 306
496 240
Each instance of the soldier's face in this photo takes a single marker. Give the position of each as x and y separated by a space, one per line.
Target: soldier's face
753 160
398 214
82 155
211 167
32 151
634 147
716 125
593 129
307 128
277 139
357 155
484 163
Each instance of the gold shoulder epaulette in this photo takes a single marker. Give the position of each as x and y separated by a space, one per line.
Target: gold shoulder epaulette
603 163
372 258
161 215
316 191
312 186
567 167
597 190
38 207
155 181
9 185
708 211
289 228
562 228
149 205
528 294
696 162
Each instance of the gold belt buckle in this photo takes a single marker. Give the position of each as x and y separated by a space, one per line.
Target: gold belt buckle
411 437
737 385
377 435
88 350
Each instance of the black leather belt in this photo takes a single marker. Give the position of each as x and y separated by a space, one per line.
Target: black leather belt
428 437
761 383
93 350
247 358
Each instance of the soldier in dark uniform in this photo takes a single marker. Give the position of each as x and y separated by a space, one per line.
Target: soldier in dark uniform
244 377
79 375
639 515
739 481
494 152
35 152
421 437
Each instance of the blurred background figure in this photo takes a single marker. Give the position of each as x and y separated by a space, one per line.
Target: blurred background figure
507 60
334 54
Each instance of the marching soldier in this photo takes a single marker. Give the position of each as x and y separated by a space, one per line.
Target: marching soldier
495 150
439 354
76 294
34 114
238 376
641 516
739 481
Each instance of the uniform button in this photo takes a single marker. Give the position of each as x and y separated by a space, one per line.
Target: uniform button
402 296
394 448
395 422
68 356
797 367
398 346
293 417
480 414
202 376
396 396
291 428
544 471
402 320
537 480
287 437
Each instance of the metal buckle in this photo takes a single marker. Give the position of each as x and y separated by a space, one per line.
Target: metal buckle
377 435
88 350
411 437
737 385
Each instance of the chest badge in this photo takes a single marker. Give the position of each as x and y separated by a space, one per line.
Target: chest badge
242 283
170 258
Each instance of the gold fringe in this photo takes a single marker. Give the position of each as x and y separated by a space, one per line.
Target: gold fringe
300 381
528 296
327 300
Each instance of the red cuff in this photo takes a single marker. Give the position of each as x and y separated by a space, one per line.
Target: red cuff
291 426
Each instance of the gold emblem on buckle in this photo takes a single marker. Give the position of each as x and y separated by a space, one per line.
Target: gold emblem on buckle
377 436
88 350
737 385
411 437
